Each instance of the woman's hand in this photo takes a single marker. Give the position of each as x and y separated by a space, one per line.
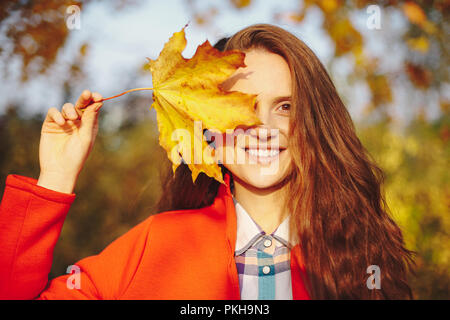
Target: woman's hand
67 138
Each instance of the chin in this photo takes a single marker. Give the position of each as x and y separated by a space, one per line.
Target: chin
259 181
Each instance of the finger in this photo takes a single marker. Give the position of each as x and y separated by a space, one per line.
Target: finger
92 109
95 106
90 117
54 115
68 112
97 97
84 100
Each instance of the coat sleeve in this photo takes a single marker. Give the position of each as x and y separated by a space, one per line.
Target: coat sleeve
31 219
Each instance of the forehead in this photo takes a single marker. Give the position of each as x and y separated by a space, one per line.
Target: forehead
265 74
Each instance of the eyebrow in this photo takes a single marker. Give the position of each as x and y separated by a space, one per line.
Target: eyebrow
282 98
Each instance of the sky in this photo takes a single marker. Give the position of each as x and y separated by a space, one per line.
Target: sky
120 41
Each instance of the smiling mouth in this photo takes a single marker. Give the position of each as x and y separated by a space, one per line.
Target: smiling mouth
263 155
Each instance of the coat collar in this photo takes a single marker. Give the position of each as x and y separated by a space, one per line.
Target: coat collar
224 204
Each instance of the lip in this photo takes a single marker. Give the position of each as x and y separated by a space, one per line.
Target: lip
263 155
264 147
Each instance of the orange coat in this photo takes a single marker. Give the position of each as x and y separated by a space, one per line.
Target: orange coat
184 254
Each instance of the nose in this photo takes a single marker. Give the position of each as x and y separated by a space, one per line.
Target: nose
262 113
265 130
263 133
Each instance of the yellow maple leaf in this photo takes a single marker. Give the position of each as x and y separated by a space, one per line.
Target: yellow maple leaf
414 13
188 90
419 44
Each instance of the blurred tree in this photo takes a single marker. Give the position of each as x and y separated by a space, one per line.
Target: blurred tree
35 30
424 41
120 184
418 193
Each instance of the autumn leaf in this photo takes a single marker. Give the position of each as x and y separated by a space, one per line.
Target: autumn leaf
188 90
241 3
418 75
186 93
414 13
346 37
420 44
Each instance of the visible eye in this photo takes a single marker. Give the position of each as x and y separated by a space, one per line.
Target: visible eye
284 108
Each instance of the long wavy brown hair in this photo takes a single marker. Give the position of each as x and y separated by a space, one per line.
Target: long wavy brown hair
336 202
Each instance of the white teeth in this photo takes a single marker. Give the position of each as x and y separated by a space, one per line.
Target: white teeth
263 153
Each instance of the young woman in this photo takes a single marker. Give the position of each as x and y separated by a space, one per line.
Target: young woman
310 229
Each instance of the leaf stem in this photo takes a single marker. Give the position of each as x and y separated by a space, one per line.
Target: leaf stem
121 94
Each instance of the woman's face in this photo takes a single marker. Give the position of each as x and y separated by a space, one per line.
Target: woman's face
259 156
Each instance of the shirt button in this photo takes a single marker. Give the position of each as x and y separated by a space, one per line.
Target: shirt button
266 269
267 243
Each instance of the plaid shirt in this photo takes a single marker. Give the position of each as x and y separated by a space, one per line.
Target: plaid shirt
262 260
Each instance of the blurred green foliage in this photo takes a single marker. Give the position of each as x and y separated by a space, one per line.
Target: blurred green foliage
417 187
120 185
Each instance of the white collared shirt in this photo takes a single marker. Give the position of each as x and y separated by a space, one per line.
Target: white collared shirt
262 260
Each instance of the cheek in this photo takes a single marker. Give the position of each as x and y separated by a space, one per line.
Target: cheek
282 123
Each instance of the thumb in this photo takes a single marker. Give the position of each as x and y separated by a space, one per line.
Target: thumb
89 117
90 113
